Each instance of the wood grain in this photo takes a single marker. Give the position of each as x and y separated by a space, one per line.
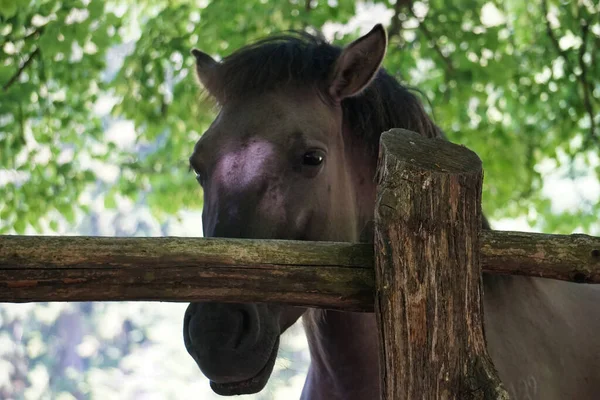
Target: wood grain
427 272
331 275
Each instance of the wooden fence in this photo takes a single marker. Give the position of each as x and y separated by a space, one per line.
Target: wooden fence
428 246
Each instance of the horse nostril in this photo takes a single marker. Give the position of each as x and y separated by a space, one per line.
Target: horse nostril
237 339
249 329
210 327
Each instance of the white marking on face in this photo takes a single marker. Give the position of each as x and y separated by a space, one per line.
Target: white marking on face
236 170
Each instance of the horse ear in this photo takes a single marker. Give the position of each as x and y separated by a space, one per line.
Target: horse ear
205 68
358 64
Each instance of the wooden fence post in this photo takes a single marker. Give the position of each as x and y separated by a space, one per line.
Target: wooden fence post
427 270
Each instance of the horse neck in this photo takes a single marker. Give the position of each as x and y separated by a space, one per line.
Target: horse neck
344 355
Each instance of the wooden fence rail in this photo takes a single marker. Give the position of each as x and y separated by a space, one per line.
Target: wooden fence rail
318 274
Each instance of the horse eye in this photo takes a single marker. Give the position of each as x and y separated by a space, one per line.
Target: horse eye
197 172
313 158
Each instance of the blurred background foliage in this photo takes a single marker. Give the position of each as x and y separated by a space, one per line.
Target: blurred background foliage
517 82
99 111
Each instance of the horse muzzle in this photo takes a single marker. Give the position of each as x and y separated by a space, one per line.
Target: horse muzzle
234 345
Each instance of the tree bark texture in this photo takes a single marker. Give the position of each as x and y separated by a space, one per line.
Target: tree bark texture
427 271
574 258
320 274
331 275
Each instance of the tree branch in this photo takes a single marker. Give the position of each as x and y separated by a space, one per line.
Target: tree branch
396 26
396 29
554 40
36 33
16 76
582 77
427 33
447 61
587 101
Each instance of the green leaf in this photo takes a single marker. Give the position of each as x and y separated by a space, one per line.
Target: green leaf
20 225
8 8
109 201
54 225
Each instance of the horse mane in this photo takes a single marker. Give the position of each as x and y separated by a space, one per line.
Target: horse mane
300 59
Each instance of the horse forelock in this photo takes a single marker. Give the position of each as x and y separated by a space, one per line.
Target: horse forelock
300 60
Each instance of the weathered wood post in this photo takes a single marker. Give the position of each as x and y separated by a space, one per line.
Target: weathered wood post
427 271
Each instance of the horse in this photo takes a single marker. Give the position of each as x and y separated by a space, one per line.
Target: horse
292 155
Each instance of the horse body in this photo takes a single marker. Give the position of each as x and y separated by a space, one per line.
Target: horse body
292 155
543 336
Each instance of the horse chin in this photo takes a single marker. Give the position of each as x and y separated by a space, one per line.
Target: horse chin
251 385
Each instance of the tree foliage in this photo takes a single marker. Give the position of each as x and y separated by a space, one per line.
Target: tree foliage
517 82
